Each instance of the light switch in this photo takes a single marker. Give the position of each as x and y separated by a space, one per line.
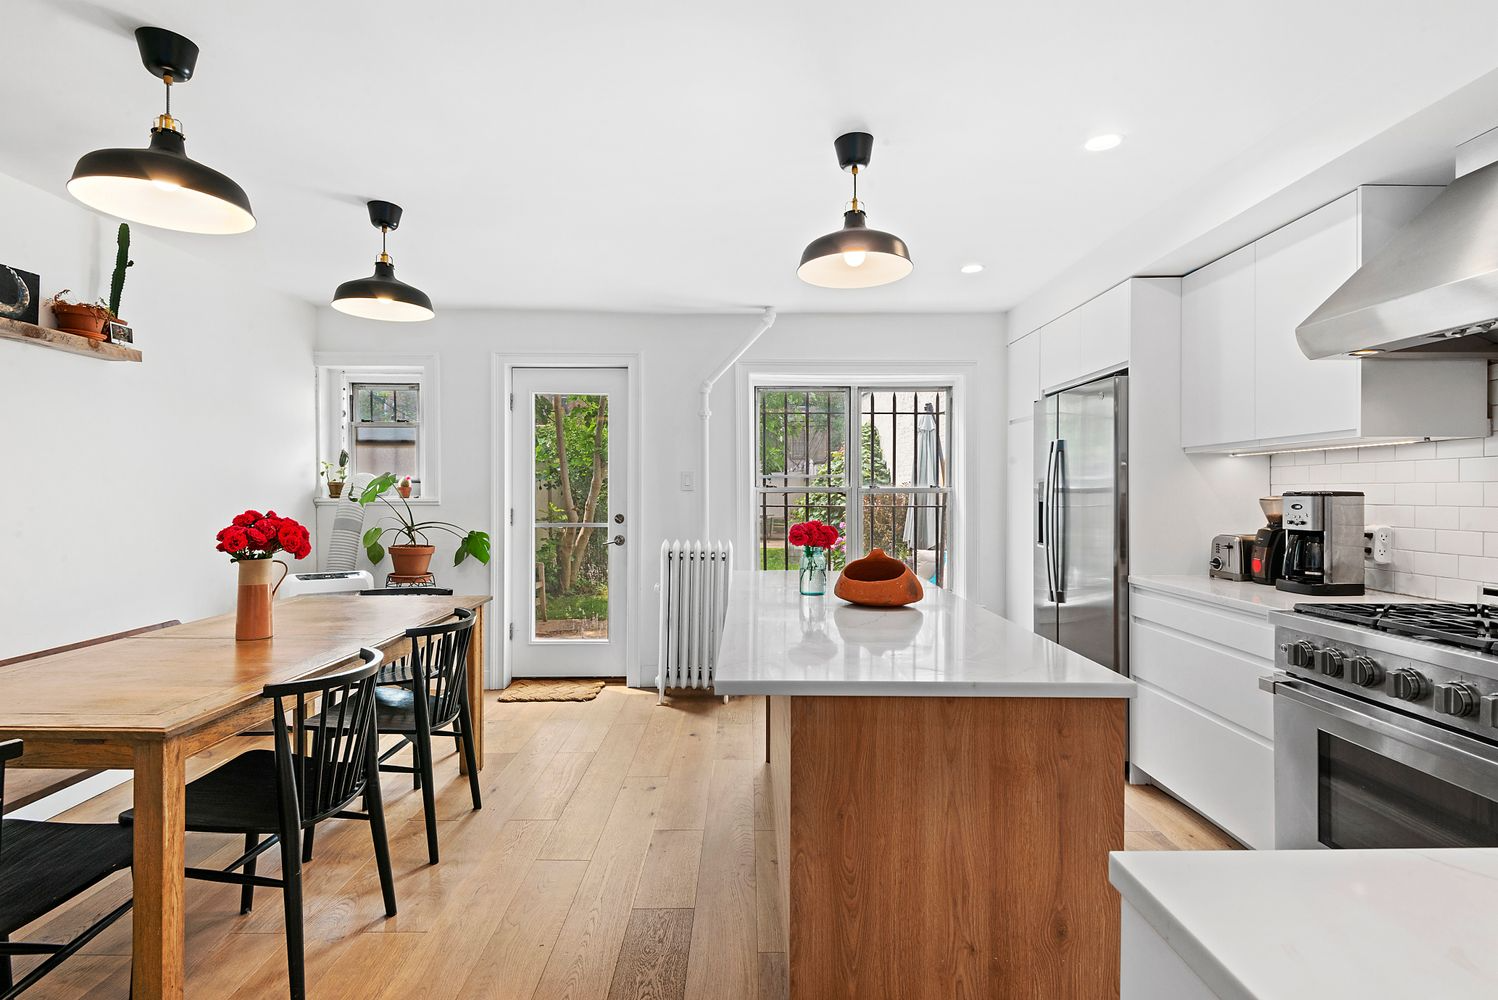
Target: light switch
686 482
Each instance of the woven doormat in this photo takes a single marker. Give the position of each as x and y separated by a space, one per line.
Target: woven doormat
551 689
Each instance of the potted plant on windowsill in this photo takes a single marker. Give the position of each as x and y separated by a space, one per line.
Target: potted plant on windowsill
412 556
336 475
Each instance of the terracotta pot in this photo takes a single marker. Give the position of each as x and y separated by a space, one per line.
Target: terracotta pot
85 321
404 489
253 619
335 490
412 560
878 581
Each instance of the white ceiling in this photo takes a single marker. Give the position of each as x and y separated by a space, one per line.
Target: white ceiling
677 154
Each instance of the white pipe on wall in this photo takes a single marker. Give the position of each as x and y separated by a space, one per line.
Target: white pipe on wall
767 320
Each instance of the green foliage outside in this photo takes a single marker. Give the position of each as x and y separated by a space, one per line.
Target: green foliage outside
571 478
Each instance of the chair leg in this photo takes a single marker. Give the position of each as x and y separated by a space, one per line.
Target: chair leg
6 982
465 726
291 893
375 806
423 742
247 891
307 844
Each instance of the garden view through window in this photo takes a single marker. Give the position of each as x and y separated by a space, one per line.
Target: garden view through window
896 498
572 505
386 430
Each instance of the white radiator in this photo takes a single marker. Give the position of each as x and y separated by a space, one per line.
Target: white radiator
694 600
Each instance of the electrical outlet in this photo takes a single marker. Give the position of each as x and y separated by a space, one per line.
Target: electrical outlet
1380 547
686 482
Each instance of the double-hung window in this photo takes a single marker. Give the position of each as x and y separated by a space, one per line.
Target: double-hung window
896 493
385 429
384 412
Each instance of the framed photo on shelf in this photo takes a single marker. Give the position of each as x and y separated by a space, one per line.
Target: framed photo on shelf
20 294
119 333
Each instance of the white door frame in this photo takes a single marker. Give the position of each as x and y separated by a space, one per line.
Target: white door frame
503 366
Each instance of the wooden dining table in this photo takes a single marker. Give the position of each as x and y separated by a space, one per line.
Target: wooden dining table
148 703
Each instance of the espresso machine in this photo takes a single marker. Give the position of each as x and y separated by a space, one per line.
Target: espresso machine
1323 543
1267 557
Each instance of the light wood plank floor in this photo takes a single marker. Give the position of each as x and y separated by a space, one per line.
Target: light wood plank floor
623 852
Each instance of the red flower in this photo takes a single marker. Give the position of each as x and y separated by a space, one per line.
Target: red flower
234 539
259 537
248 518
813 534
799 535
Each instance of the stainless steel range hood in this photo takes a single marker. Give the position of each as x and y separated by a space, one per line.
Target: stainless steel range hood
1431 292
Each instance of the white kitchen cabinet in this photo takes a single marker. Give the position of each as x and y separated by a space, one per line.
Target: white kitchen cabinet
1199 726
1019 533
1024 376
1092 339
1217 351
1245 384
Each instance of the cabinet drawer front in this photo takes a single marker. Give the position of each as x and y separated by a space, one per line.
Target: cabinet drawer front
1222 773
1247 633
1212 678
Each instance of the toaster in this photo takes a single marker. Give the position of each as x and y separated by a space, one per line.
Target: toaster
1232 555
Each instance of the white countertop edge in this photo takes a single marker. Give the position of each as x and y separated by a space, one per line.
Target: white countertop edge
1210 590
1191 950
1121 688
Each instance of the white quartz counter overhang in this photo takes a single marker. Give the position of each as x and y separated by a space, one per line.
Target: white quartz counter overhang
1255 598
1287 925
776 642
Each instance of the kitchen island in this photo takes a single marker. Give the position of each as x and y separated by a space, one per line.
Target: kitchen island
946 787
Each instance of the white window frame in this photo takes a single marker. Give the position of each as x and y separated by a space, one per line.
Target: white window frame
750 377
337 373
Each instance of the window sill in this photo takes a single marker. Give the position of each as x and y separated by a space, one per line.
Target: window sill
327 501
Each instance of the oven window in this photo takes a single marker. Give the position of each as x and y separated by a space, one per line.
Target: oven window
1366 800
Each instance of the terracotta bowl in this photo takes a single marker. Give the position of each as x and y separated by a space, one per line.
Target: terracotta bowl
877 581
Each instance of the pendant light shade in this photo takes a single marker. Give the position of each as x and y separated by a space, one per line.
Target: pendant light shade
382 295
855 256
161 185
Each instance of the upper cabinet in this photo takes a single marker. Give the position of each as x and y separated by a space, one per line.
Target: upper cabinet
1245 385
1217 351
1024 376
1092 339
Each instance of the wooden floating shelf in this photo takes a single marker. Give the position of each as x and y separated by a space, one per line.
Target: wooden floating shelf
57 340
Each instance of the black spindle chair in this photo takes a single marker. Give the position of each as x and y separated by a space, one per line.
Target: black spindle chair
286 792
42 866
423 693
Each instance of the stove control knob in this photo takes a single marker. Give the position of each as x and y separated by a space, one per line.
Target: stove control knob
1408 685
1299 654
1329 661
1457 699
1364 671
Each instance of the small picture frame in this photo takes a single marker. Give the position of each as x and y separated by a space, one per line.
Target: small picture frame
119 333
18 287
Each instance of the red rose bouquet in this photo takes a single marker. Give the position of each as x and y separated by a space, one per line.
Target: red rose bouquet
253 535
813 535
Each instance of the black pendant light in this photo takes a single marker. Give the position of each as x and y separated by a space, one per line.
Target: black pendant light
160 185
382 295
855 256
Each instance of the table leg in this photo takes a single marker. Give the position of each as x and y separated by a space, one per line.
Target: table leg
476 689
160 780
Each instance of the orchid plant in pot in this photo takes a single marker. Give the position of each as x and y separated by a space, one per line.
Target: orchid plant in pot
412 555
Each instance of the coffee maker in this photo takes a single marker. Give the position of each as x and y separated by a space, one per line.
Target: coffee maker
1323 543
1267 557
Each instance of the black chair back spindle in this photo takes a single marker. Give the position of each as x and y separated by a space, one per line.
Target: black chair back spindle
439 665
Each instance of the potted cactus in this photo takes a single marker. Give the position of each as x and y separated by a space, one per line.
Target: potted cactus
87 319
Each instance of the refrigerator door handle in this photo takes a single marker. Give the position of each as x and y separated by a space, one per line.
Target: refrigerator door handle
1046 537
1058 524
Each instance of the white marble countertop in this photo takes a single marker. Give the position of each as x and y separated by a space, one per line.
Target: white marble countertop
1287 925
777 642
1255 597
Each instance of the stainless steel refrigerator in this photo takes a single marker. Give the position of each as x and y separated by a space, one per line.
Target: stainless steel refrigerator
1081 520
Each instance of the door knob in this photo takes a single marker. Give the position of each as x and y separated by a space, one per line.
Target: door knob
618 518
618 539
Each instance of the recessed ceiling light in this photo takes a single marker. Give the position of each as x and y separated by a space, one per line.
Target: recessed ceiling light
1102 143
971 268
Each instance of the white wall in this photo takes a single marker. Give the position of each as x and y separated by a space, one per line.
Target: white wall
1440 497
117 476
677 352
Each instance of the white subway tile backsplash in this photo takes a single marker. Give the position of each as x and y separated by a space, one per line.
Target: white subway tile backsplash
1467 543
1416 494
1461 494
1439 497
1436 517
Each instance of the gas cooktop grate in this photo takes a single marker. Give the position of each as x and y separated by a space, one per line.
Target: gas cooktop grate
1473 626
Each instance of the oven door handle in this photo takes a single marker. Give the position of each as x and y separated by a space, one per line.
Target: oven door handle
1439 742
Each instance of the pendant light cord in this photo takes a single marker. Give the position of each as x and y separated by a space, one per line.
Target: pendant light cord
168 81
855 188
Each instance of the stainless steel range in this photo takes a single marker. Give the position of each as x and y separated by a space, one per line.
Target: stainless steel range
1386 725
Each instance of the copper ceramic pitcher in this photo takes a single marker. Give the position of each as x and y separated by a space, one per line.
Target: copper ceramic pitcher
256 592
